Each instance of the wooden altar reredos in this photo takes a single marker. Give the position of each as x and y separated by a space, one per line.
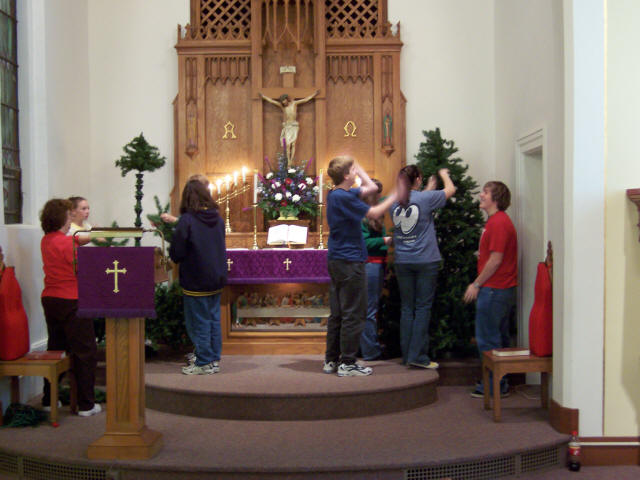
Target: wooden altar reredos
234 50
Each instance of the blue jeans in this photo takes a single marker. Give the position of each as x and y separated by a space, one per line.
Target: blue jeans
493 309
369 345
417 283
202 320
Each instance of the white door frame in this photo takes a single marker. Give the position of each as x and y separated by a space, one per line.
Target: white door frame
531 143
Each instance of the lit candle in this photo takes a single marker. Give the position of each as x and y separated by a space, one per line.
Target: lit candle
219 187
255 186
244 175
235 178
227 182
320 188
211 187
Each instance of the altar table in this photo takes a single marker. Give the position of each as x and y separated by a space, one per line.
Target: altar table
281 272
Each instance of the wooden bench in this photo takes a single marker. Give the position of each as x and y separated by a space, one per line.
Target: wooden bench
500 366
49 369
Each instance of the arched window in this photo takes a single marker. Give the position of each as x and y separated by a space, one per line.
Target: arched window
11 172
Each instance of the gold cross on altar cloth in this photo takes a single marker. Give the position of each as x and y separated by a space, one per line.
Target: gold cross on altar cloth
287 262
115 272
229 263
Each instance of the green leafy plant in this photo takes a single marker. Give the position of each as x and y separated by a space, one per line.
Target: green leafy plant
168 328
141 157
167 229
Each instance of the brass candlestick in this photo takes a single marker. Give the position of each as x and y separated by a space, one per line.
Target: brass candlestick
320 243
255 227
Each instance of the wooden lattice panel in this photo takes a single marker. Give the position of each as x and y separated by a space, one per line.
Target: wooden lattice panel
351 18
225 19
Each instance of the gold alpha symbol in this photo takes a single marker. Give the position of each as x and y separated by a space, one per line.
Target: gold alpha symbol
228 130
229 263
287 262
115 272
350 129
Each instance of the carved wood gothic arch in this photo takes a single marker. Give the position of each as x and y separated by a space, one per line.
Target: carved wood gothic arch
233 50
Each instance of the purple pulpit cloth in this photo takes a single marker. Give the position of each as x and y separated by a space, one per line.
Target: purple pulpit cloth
277 266
116 282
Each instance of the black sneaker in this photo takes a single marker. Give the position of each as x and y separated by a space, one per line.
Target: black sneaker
479 392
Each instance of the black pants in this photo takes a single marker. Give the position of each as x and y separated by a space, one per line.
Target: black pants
76 336
348 303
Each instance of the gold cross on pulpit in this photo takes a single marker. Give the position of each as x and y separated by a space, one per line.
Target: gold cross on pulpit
287 262
115 272
229 263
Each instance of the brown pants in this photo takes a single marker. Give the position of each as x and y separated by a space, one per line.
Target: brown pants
76 336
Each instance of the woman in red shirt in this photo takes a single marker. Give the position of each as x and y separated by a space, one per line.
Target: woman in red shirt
60 303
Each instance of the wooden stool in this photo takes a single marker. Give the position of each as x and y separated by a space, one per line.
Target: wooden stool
49 369
500 366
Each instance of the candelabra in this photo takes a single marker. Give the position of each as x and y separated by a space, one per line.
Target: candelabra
255 227
320 242
226 198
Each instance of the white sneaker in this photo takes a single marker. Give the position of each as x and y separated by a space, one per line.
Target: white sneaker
48 407
87 413
216 366
190 358
353 370
330 367
194 369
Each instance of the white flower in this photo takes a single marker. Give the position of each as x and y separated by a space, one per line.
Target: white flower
296 198
277 184
288 194
269 176
292 170
309 180
278 196
316 189
273 187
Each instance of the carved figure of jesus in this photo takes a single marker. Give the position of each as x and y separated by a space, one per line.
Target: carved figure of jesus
290 126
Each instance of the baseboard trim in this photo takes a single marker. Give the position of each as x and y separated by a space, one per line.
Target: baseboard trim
563 419
601 451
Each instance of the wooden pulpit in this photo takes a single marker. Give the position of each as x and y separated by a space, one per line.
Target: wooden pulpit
118 283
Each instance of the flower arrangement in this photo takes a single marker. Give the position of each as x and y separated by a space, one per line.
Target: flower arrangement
287 192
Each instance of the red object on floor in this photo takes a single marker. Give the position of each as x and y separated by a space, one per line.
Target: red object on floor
14 327
541 316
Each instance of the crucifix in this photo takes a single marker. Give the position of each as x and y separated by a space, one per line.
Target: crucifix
115 272
287 99
229 263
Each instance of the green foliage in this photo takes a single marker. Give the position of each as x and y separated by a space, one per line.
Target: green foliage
167 229
110 242
140 156
20 415
168 328
458 227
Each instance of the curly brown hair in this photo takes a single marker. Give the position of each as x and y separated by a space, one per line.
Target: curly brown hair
499 193
54 214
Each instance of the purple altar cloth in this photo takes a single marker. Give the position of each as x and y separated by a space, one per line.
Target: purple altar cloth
116 282
277 266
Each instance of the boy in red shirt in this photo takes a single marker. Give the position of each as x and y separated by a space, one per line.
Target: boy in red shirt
495 286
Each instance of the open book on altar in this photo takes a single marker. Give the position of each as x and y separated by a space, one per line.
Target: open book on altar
287 234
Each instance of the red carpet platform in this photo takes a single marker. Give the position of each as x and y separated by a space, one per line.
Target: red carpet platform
451 437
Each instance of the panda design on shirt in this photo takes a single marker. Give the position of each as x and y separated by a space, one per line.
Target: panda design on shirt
407 218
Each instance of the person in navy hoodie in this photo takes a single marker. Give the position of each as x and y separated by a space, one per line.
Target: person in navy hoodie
198 246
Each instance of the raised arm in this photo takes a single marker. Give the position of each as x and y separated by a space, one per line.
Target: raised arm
271 100
306 99
367 186
449 187
378 210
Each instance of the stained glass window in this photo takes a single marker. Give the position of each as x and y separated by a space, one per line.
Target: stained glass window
11 172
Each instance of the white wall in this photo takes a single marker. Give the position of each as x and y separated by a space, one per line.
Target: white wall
622 335
529 96
447 76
